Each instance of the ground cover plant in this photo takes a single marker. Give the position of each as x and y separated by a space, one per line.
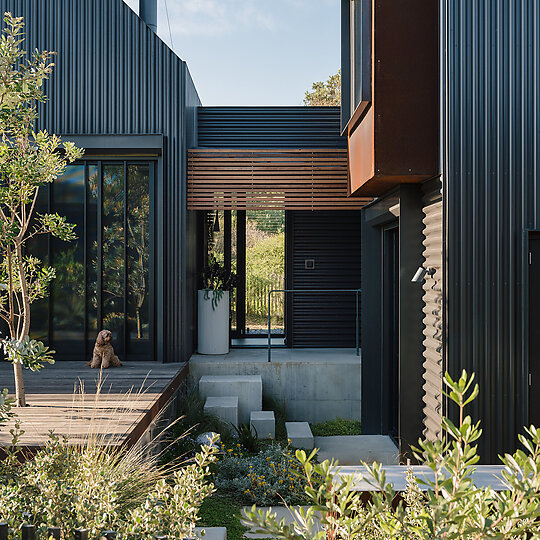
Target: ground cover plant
269 476
223 511
339 426
451 508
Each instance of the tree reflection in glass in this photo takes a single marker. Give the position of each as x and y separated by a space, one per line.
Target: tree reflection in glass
138 253
113 250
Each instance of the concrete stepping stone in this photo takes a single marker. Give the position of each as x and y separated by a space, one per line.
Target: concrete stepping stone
248 388
299 435
263 424
358 449
224 407
211 533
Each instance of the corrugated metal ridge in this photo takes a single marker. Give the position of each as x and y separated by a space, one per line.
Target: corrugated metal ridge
432 298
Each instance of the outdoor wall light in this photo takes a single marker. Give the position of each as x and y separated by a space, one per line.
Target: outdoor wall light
422 272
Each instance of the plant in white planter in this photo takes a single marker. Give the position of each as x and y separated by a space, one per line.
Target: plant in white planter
213 318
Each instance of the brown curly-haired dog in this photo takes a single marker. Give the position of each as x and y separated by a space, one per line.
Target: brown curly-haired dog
103 355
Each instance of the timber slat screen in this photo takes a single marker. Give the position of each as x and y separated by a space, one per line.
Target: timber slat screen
292 179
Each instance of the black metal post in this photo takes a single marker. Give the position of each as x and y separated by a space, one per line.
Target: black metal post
357 327
4 530
28 532
81 534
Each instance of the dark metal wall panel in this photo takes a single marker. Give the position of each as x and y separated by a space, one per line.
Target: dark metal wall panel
270 127
433 310
332 240
490 117
113 75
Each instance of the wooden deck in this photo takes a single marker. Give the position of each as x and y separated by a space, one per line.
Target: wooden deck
71 399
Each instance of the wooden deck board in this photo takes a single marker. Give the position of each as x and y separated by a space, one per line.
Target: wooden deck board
130 398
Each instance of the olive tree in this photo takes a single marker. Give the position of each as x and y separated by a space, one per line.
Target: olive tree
29 159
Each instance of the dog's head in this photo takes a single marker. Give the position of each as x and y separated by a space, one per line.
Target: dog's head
104 337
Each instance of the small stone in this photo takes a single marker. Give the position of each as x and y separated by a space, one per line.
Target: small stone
205 439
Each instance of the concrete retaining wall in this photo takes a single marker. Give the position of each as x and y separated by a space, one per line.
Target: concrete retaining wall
315 385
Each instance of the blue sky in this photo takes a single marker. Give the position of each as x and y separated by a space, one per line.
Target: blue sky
253 52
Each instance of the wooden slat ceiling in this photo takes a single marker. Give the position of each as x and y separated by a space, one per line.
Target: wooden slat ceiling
295 179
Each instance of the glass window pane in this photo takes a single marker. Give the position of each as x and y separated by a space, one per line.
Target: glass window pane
138 259
67 294
92 254
38 247
113 286
265 270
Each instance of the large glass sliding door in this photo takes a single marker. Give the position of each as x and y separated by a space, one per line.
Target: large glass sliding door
104 279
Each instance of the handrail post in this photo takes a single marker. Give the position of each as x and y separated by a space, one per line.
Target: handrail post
269 326
357 327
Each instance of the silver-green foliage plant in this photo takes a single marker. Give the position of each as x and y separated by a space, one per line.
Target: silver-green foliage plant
29 159
447 506
98 488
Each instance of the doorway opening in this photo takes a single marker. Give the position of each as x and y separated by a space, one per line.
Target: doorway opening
251 243
534 323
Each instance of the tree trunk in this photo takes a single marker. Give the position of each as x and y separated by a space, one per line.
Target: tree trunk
17 368
19 385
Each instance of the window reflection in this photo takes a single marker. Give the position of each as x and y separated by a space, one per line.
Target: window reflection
67 294
103 278
138 255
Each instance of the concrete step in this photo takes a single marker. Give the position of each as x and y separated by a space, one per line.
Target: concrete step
299 435
263 423
211 533
358 449
248 388
224 407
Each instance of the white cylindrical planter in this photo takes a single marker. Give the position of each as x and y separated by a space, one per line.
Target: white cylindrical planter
213 328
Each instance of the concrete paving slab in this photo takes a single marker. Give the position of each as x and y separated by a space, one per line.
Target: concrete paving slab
211 533
282 512
355 449
484 476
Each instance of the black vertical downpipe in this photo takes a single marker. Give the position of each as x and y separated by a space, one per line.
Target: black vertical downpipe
241 272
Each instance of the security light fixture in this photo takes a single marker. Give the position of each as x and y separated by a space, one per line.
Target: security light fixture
422 272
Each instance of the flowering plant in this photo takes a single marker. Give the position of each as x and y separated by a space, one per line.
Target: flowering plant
268 477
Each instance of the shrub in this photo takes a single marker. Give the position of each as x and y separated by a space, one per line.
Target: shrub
100 488
269 477
339 426
451 508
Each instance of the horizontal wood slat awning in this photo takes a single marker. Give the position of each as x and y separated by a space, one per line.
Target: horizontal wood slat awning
295 179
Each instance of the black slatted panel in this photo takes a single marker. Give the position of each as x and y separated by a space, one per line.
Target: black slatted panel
270 127
332 240
113 75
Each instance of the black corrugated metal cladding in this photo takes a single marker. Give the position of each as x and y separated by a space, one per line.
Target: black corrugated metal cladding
113 75
490 85
270 127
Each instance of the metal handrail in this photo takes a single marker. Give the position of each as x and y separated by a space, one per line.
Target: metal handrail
357 291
